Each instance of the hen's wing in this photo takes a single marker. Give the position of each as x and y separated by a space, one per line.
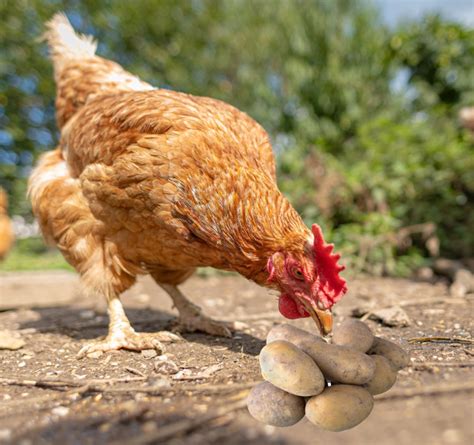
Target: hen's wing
109 124
137 153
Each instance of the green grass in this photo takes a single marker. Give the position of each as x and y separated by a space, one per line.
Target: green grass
33 254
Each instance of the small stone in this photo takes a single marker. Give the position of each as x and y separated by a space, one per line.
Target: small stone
394 317
240 326
10 340
149 353
164 365
5 434
269 430
425 273
87 314
159 383
463 283
452 436
95 354
60 411
182 374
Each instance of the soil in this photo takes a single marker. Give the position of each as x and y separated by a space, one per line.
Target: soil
127 397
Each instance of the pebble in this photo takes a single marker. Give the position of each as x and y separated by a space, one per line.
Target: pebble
452 436
87 314
164 365
60 411
10 340
5 434
149 353
95 354
393 317
239 325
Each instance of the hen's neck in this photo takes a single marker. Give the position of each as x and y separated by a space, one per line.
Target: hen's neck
261 223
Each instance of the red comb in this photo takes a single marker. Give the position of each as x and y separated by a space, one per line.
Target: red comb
331 284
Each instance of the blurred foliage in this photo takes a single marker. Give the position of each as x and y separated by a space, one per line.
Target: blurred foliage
440 59
363 118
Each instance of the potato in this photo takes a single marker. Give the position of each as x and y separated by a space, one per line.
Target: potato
354 334
391 351
273 406
290 369
384 378
289 333
339 407
338 363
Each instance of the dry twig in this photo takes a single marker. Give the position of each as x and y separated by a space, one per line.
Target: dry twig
61 383
462 341
134 371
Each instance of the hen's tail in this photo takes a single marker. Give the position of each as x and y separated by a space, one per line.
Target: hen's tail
79 73
64 44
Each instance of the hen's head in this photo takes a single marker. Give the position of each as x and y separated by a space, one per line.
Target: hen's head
309 282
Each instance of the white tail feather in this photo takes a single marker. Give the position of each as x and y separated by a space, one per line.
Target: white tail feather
65 44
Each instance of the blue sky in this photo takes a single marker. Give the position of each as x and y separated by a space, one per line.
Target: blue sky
394 11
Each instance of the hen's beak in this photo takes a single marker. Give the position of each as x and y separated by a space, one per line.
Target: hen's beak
322 318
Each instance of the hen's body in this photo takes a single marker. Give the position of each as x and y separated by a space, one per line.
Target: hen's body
154 181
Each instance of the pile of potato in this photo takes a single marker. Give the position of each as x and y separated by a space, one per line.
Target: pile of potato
333 384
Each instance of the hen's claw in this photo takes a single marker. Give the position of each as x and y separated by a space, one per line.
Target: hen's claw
131 340
191 318
202 323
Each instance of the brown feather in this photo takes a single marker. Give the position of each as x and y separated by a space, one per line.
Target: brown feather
155 181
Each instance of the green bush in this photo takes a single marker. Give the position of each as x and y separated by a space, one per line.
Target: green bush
409 172
363 118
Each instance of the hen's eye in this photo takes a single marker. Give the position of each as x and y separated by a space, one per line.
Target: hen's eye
298 274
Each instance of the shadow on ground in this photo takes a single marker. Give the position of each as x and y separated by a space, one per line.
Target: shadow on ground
125 424
70 321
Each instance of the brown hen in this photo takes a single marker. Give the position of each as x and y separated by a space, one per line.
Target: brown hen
6 230
152 181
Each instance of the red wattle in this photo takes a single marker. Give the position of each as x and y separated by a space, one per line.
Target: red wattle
289 309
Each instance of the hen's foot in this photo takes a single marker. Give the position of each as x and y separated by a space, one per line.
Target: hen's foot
131 340
191 318
196 321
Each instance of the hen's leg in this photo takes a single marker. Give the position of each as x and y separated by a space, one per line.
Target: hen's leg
191 318
122 336
67 219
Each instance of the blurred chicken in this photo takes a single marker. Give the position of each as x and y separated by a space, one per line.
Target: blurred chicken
6 230
466 116
152 181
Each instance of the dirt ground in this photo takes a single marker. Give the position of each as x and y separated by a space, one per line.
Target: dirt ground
48 396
